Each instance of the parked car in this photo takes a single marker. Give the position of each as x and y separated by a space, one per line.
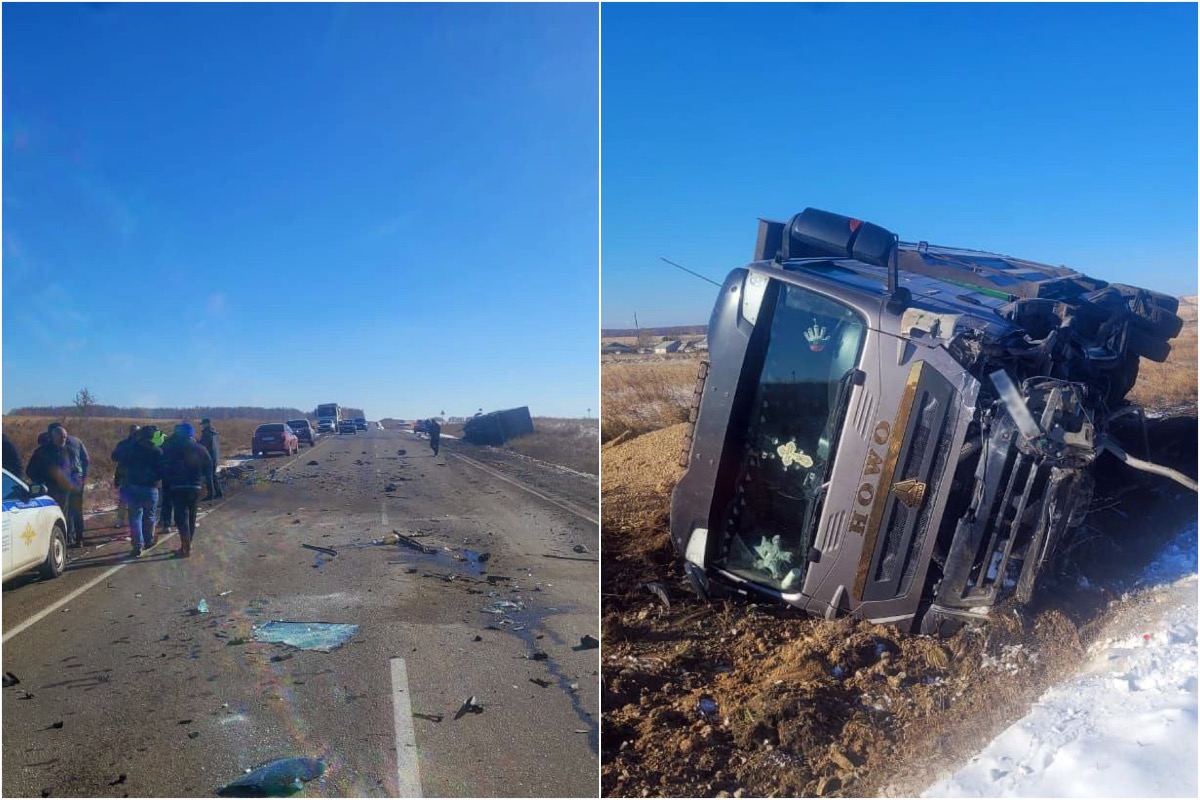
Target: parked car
360 423
347 426
419 426
35 531
275 437
304 430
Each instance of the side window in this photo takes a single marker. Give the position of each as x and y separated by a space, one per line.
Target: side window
12 489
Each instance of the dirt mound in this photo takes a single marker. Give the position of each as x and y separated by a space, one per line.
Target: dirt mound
706 700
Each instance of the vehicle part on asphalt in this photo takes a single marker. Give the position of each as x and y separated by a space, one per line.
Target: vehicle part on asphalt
10 680
327 550
469 706
277 778
323 637
587 643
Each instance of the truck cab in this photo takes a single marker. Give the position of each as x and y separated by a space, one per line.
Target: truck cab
910 447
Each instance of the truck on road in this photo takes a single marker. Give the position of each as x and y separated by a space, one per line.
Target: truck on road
902 432
328 417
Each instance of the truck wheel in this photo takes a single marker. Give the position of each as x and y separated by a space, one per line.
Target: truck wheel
1158 322
56 559
1148 346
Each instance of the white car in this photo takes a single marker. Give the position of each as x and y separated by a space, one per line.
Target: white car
35 531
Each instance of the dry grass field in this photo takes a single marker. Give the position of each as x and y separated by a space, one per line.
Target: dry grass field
641 397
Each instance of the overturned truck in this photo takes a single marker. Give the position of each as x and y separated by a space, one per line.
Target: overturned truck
902 432
497 427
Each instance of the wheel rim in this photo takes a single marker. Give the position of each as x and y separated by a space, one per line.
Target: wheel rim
60 552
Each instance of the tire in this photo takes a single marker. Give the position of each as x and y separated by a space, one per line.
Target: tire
1148 346
56 559
1159 322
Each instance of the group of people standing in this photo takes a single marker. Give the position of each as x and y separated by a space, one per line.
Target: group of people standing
160 478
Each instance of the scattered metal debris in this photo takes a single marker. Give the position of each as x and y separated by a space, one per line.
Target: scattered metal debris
202 606
10 680
540 682
275 779
469 706
587 643
327 550
430 717
313 463
579 548
120 779
54 726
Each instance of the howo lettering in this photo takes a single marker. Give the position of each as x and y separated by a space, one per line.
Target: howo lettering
902 432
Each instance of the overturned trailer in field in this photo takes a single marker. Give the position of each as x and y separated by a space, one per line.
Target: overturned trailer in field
497 427
898 431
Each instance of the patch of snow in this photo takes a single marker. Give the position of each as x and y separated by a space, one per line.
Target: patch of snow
1123 727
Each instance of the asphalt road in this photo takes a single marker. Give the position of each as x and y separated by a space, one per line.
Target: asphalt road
136 693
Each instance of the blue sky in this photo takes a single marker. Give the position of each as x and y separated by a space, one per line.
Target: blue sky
389 206
1059 133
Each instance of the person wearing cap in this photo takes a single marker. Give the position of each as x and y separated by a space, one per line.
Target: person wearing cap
142 465
118 477
211 440
186 467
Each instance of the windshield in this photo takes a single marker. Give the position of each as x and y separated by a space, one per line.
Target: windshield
273 428
297 423
811 350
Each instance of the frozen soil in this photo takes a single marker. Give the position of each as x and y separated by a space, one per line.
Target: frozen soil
747 698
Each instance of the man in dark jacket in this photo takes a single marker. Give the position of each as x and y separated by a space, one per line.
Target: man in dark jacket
187 468
118 479
212 443
142 464
435 435
50 465
78 456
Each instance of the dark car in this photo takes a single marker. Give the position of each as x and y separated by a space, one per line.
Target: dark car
360 423
347 426
304 430
275 437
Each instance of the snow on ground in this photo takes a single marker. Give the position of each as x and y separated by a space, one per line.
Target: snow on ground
1125 726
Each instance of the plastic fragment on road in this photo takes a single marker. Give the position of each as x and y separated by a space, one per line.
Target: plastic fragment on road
706 707
587 643
469 706
328 550
324 637
10 680
278 778
202 606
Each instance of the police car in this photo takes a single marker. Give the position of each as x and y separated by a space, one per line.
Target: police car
35 531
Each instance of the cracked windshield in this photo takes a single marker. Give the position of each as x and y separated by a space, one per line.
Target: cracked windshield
814 343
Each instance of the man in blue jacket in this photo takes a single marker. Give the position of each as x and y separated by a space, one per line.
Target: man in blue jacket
187 466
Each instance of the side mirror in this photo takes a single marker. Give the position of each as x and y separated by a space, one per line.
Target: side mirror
37 490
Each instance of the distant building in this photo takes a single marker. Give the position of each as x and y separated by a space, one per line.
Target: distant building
667 347
616 348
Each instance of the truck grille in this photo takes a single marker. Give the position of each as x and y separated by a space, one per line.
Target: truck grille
922 458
